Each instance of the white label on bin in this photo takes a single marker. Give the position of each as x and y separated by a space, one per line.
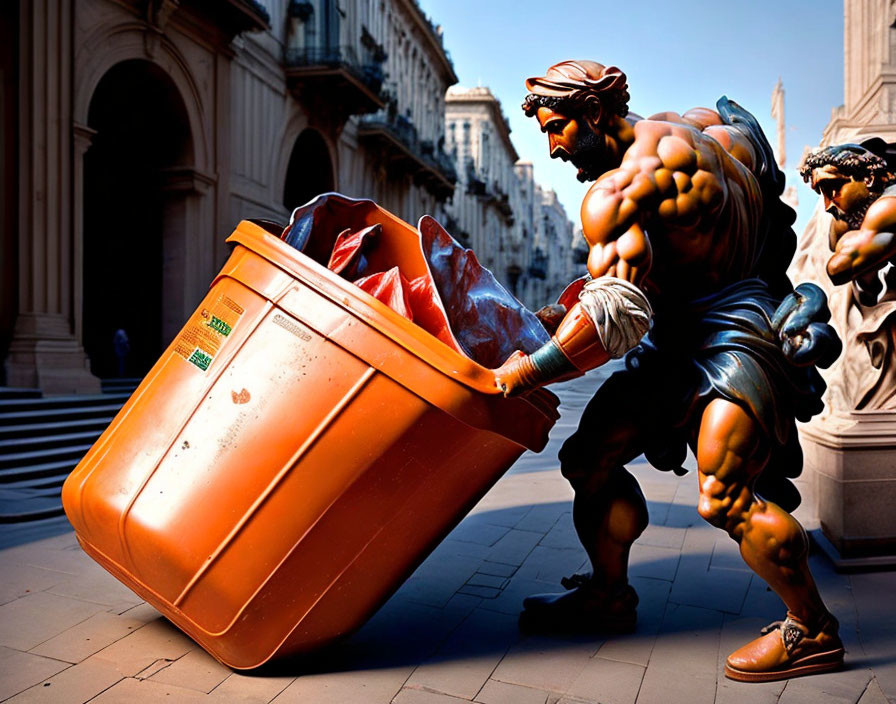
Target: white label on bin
292 327
203 335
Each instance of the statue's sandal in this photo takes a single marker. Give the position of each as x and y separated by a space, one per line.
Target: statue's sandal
788 649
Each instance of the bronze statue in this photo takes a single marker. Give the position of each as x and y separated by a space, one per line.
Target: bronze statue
688 237
858 184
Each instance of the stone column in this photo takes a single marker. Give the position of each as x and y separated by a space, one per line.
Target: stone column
83 139
187 242
45 351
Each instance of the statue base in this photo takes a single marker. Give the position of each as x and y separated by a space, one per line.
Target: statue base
850 458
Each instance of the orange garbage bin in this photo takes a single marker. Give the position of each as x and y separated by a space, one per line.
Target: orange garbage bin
295 453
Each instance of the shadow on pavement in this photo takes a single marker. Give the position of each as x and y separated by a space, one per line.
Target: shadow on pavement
13 534
407 632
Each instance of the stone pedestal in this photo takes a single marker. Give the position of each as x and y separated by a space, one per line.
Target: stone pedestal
852 457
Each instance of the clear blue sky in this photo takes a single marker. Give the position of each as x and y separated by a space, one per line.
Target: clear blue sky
677 54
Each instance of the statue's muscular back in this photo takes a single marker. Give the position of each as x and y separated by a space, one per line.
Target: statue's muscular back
683 203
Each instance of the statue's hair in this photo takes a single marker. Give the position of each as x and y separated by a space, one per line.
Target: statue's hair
851 160
607 95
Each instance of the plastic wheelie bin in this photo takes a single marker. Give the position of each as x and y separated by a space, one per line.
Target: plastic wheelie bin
291 458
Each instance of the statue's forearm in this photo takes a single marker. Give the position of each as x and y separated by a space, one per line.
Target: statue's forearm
574 349
610 318
859 252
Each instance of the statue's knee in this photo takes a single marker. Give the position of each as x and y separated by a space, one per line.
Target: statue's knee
586 482
712 512
722 504
585 474
573 472
628 518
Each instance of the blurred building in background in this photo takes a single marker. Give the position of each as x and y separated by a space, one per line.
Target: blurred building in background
557 249
478 137
137 133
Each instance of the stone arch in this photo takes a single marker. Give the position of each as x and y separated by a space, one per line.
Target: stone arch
135 218
135 41
303 141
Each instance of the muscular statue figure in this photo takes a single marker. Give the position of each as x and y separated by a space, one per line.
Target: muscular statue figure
858 184
688 237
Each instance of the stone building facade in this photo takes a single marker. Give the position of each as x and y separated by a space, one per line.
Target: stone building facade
391 73
144 130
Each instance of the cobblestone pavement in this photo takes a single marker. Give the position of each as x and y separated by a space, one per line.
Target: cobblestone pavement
70 633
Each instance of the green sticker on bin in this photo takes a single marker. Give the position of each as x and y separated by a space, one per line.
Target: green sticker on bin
200 359
219 325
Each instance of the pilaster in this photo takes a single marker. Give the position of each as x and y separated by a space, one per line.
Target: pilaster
45 351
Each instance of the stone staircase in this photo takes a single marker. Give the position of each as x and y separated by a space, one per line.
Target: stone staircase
41 441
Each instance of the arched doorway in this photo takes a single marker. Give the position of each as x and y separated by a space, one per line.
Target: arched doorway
142 137
310 170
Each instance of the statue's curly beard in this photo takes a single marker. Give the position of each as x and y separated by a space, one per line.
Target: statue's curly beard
856 216
589 157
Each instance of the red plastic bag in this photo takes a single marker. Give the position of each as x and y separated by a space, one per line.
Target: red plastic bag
390 287
436 282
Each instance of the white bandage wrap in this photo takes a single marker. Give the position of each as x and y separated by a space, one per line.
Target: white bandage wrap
619 310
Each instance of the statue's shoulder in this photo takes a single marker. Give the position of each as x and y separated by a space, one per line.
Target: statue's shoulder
698 118
881 215
701 118
655 127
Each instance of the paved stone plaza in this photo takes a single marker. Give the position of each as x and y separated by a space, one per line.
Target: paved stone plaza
70 633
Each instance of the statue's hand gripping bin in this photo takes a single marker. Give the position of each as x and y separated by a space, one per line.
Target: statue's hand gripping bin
292 457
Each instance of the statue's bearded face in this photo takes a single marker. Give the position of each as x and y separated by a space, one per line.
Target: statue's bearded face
573 139
845 197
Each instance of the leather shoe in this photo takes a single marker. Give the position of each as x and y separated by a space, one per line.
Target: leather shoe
789 648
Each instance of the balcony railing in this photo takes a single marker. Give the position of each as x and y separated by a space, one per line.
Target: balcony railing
476 186
337 76
400 142
233 17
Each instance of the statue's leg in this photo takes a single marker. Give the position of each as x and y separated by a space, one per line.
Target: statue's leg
609 513
732 450
609 510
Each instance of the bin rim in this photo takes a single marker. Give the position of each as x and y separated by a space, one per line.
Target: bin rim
359 303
